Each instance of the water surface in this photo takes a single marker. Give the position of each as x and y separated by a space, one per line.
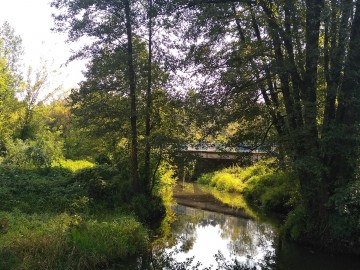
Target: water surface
204 235
253 243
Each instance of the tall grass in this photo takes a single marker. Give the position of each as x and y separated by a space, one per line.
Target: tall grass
263 184
234 179
72 165
67 242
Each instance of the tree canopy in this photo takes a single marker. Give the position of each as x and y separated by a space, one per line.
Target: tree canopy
162 74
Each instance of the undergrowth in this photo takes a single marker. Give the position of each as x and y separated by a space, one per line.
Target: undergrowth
262 184
61 241
72 215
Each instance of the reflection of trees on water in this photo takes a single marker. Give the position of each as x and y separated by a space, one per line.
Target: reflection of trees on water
247 238
187 237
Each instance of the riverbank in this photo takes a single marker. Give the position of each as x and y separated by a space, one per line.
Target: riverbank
192 195
72 215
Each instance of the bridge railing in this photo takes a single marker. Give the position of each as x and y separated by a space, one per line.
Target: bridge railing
205 147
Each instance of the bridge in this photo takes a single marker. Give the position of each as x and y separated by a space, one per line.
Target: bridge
205 157
217 151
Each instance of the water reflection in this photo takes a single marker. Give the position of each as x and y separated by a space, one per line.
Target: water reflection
203 234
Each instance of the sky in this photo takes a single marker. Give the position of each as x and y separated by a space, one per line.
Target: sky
32 20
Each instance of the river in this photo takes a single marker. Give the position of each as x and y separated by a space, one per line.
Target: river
229 241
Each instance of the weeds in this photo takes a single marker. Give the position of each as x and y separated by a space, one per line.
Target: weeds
67 217
62 241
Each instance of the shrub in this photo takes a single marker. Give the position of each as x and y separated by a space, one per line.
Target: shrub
16 153
274 191
72 165
262 184
37 190
345 219
103 159
205 179
38 153
149 209
105 186
226 182
295 223
232 179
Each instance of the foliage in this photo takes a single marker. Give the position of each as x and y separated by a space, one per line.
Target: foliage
149 209
116 239
105 186
8 102
39 190
345 220
262 184
11 49
72 165
67 242
275 192
295 224
165 183
37 153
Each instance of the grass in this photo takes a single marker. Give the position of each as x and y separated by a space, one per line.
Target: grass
47 220
72 165
261 184
50 241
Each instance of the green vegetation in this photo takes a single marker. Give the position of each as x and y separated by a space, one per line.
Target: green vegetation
72 165
275 75
65 217
262 184
61 241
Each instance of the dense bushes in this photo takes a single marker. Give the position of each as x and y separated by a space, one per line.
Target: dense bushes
262 184
72 215
276 191
103 185
40 190
88 190
38 153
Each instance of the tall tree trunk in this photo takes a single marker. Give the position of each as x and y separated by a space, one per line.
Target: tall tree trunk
137 187
313 186
348 113
147 168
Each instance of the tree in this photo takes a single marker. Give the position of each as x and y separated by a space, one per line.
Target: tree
299 57
10 52
111 25
6 97
101 104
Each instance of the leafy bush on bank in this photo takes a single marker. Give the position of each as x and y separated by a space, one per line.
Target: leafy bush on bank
262 184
